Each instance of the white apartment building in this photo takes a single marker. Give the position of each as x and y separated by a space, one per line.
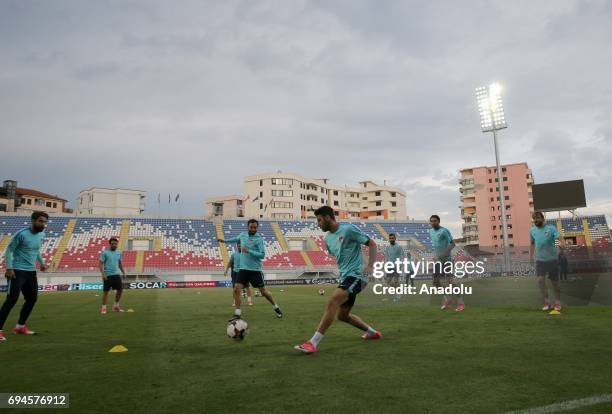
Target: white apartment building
110 202
290 196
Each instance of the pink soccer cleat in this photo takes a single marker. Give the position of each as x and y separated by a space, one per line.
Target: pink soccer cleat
460 307
2 337
546 307
557 307
103 310
307 348
446 303
377 335
24 330
118 309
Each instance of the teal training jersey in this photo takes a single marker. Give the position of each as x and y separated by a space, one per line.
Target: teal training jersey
110 259
24 250
345 245
441 238
255 245
394 252
544 239
235 261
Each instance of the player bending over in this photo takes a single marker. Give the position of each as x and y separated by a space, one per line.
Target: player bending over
343 241
443 244
110 264
251 254
21 256
234 264
543 238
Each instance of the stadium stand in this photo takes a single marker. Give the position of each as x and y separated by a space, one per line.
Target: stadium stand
153 245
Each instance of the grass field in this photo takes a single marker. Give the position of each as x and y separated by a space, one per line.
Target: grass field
492 358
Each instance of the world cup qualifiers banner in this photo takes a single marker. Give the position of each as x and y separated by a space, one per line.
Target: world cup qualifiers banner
176 284
43 288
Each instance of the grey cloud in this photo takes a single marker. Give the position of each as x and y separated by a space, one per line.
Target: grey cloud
193 97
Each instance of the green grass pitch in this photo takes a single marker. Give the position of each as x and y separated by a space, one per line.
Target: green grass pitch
489 359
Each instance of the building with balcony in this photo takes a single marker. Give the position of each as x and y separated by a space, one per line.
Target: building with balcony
290 196
480 206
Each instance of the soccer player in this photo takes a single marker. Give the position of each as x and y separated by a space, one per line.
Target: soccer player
110 264
21 256
543 238
393 252
443 245
234 265
252 252
343 241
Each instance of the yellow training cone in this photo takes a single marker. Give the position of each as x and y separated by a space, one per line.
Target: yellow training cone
118 348
554 312
130 310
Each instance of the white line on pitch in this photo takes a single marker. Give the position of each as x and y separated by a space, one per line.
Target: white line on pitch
566 405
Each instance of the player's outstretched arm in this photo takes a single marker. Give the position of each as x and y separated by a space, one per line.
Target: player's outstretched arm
43 265
8 257
101 268
371 255
230 240
121 268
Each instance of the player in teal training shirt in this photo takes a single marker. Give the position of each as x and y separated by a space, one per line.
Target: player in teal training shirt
394 252
344 242
110 265
543 237
234 266
443 245
252 252
21 256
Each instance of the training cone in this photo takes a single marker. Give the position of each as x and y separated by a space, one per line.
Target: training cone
554 312
118 348
130 310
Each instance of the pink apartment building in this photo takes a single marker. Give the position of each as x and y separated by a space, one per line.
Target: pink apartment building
480 208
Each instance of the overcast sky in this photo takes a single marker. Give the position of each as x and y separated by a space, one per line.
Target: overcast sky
190 96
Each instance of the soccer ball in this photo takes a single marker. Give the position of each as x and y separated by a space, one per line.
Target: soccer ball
321 292
238 329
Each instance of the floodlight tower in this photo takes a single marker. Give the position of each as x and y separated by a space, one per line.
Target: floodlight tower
491 109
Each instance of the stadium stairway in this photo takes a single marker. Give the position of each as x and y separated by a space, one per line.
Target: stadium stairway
139 266
587 237
124 234
306 258
314 245
587 234
4 241
382 231
222 246
417 243
280 237
61 247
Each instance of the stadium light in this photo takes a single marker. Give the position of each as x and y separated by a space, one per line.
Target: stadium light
491 108
492 119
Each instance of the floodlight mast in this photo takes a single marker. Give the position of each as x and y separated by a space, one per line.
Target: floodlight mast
492 119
